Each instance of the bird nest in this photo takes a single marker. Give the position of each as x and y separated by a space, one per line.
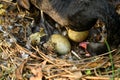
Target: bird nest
20 62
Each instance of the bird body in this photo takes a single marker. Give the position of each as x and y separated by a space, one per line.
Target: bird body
94 48
79 15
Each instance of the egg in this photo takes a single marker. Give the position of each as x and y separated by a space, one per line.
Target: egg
61 44
77 36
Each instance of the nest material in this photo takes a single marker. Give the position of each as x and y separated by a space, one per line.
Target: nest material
18 62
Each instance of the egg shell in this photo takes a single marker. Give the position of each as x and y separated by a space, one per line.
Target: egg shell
77 36
62 44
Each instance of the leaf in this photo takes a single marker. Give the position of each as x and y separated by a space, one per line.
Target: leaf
2 11
35 38
37 73
24 3
19 70
1 5
88 72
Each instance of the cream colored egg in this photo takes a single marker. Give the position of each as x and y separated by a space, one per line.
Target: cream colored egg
77 36
62 44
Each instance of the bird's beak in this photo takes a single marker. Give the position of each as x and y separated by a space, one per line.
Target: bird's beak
83 44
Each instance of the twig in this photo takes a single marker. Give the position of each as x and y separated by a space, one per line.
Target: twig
99 78
50 61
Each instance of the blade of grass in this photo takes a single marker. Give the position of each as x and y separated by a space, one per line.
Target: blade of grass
111 59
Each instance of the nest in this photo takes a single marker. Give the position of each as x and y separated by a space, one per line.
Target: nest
19 62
